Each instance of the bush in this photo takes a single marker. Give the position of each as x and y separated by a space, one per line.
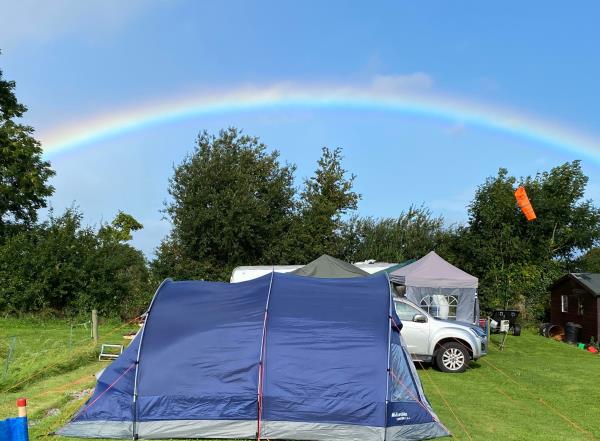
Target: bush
63 268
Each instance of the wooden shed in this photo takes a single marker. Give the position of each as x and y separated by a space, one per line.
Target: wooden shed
575 298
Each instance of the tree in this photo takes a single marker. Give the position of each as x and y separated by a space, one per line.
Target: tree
231 205
326 198
118 275
409 236
567 223
517 260
58 265
590 261
120 228
24 174
61 267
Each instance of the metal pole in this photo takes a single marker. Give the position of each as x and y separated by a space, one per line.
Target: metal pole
11 347
261 360
503 342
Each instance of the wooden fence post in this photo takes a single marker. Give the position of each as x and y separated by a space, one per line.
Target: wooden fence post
95 325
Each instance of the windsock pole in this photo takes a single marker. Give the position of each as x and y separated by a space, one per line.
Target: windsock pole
21 407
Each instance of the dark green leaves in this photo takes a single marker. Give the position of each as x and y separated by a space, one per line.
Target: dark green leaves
231 205
62 267
517 260
23 173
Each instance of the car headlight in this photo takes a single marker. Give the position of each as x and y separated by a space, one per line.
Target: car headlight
478 332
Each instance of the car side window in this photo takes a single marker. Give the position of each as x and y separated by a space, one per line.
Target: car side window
405 311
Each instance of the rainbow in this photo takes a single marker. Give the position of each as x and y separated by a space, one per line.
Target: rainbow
280 98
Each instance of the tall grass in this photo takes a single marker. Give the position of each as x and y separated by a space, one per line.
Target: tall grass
34 348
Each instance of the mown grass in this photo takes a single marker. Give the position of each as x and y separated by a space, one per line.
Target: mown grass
536 389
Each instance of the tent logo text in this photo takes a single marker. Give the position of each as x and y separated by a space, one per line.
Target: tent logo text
400 416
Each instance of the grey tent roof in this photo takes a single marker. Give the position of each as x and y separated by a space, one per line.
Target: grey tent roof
432 271
591 281
330 267
393 268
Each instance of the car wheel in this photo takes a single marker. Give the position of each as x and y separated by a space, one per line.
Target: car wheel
452 357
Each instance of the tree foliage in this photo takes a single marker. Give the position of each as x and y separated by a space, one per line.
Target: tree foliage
24 174
590 261
235 204
119 230
326 198
231 205
62 267
409 236
515 260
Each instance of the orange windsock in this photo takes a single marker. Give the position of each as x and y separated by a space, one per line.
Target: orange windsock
524 203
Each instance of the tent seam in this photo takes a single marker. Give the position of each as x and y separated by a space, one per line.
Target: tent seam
389 346
261 360
137 359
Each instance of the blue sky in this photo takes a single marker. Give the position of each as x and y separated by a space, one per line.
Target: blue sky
74 60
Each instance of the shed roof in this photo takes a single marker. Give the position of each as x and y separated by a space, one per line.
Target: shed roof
590 281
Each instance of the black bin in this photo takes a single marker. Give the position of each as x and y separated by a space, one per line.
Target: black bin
572 331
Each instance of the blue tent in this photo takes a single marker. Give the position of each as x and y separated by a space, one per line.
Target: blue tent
278 357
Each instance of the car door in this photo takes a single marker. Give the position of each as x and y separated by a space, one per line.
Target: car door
415 334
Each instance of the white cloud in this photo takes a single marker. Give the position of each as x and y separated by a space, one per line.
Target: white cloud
416 81
41 21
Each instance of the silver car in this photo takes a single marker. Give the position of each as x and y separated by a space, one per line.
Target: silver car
450 345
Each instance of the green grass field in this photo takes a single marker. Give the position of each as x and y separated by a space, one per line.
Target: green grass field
536 389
